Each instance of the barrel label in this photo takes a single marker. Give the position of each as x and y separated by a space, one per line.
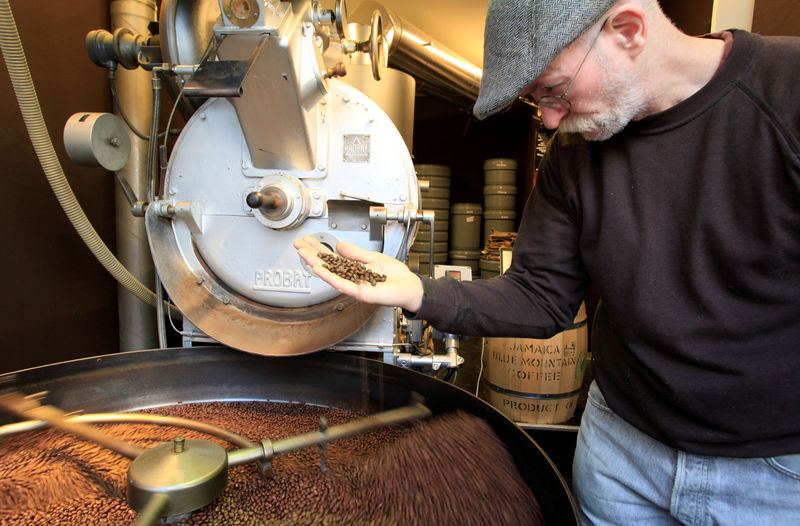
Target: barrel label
538 356
282 280
540 407
540 366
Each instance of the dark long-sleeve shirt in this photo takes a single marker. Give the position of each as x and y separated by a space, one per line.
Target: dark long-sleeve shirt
688 224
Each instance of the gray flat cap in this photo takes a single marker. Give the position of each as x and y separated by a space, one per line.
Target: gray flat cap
522 37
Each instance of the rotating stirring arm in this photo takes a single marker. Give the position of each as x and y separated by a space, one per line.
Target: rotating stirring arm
181 476
29 407
269 449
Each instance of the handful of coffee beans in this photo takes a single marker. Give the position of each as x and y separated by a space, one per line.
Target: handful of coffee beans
348 269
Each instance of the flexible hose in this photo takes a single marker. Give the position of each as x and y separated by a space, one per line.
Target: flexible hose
25 91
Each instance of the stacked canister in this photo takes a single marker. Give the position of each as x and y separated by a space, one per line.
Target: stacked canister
465 235
436 198
499 204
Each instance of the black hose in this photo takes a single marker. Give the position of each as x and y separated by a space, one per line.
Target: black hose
153 175
112 82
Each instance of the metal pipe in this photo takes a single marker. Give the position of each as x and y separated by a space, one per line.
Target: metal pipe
137 326
441 71
416 53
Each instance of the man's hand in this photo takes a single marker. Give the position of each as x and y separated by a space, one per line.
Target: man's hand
402 287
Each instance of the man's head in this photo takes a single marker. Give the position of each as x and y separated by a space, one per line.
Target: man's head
546 48
522 37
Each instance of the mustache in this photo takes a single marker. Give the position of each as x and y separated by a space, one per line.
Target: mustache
592 129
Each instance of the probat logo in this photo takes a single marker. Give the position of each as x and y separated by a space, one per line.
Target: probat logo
283 280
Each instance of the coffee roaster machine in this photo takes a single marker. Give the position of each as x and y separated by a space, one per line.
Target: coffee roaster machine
278 146
289 133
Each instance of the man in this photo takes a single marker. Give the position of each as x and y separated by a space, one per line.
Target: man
672 186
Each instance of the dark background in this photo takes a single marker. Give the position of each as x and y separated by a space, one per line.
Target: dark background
58 303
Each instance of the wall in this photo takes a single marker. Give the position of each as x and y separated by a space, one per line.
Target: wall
777 17
57 302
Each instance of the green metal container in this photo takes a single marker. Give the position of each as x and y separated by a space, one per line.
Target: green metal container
499 164
425 257
442 214
489 267
465 226
439 170
435 181
499 197
437 175
467 258
423 245
436 192
500 171
439 226
499 221
507 177
438 235
434 203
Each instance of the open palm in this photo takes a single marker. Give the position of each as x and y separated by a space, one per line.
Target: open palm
402 287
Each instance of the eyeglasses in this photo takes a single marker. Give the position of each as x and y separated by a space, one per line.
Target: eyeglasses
560 102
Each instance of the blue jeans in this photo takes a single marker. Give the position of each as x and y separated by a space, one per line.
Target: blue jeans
622 476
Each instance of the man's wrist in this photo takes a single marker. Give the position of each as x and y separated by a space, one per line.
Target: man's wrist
414 302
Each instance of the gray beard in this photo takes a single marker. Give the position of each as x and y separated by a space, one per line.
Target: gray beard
624 100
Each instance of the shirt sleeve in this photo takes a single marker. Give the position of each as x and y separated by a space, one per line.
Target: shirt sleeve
541 292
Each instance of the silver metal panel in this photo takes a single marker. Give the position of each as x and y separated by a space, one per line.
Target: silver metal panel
277 108
236 321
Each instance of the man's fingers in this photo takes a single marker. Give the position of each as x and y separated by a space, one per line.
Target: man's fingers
310 243
354 252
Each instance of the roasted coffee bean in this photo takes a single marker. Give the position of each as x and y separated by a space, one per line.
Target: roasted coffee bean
451 469
349 269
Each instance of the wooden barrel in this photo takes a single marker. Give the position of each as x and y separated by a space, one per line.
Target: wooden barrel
536 381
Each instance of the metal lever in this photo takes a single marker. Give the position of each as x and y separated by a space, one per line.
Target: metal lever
269 449
29 407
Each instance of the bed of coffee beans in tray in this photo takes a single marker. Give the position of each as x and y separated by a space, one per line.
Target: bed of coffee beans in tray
354 271
451 469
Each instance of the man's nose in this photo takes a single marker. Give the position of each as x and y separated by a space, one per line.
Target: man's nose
551 117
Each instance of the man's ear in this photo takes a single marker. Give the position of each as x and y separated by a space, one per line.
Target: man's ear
627 27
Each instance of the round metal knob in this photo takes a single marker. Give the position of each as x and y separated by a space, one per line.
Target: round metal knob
259 200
